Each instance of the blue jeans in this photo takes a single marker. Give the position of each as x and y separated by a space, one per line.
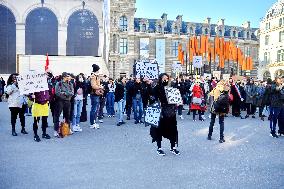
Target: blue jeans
120 108
139 104
110 103
95 101
78 105
276 114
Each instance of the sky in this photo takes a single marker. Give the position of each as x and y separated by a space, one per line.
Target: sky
235 12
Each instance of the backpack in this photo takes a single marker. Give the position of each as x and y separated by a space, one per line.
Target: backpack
221 105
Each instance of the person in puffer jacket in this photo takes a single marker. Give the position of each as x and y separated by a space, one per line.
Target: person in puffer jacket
40 109
16 103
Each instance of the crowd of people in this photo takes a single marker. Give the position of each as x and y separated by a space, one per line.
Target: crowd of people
68 97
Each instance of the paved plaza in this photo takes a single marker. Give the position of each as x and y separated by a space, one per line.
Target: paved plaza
124 157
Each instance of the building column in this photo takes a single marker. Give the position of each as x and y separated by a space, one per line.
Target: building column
20 38
101 41
62 39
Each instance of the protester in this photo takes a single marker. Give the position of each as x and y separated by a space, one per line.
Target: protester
96 92
236 98
40 109
64 91
167 127
137 101
197 103
110 98
17 103
179 84
104 84
219 107
78 103
83 117
120 97
250 90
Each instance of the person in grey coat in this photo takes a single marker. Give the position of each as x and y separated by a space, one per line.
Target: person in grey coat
251 91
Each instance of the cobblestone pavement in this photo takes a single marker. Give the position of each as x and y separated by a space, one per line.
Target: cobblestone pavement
124 157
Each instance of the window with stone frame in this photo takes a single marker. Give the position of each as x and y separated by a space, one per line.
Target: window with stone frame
265 57
220 33
206 31
159 28
266 39
175 47
191 32
234 34
280 22
281 36
123 46
144 28
123 24
280 55
248 35
267 26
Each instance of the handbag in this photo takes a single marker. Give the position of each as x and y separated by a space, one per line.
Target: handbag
196 100
64 129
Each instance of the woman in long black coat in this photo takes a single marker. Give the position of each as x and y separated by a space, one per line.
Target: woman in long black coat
168 122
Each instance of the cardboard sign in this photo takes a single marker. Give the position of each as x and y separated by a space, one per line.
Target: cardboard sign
197 62
173 96
32 82
217 74
152 115
226 76
147 70
206 75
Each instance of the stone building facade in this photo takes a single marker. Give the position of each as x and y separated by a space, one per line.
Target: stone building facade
126 32
271 34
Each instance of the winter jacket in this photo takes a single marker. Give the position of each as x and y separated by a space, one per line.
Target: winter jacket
276 100
64 90
14 99
250 93
119 92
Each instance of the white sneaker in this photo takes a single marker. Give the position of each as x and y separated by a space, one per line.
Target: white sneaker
92 126
71 132
181 117
77 129
209 116
97 126
203 116
101 121
55 134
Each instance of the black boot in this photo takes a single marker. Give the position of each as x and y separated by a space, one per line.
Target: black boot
36 138
23 131
209 137
221 140
14 133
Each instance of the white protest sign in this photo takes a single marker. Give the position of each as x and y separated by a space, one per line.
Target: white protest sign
206 75
217 74
147 70
173 95
152 115
197 62
226 76
32 82
176 67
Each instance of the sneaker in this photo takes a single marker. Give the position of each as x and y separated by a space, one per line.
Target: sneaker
181 117
209 116
136 122
203 117
97 126
109 116
71 132
119 124
56 134
160 152
36 138
122 122
101 121
77 129
46 136
175 151
141 122
274 135
222 140
93 126
194 120
23 131
209 137
253 116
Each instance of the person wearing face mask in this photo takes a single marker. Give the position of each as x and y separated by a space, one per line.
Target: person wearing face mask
16 103
78 103
167 127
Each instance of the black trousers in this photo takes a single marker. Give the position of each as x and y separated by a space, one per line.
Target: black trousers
159 144
212 122
43 126
251 108
61 105
101 108
128 106
14 114
84 116
236 108
199 113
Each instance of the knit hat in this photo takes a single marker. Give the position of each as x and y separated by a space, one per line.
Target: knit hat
95 67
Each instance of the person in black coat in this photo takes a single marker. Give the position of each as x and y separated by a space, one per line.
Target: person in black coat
237 98
129 86
120 97
136 92
179 84
167 127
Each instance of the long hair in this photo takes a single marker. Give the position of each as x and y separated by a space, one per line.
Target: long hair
10 80
161 76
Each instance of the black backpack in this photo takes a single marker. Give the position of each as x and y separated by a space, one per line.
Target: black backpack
221 105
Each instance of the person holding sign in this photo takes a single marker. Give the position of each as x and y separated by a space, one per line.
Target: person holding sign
16 103
167 126
40 109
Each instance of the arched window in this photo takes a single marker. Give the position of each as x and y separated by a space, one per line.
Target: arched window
266 39
123 25
41 32
83 34
206 31
265 57
7 41
159 29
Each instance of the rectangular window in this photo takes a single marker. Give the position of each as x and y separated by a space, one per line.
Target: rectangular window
267 26
175 48
267 40
280 22
123 46
123 23
281 36
280 55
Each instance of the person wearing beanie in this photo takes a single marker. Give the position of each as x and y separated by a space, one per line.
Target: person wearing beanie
96 92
